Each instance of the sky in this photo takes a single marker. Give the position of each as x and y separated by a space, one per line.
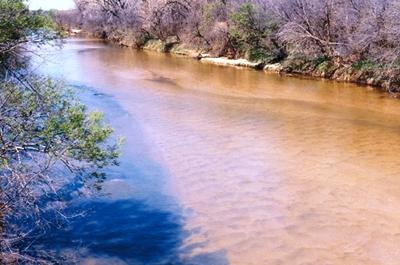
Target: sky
51 4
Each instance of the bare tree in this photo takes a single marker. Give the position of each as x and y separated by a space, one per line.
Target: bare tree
313 26
348 29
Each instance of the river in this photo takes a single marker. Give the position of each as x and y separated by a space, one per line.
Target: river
232 166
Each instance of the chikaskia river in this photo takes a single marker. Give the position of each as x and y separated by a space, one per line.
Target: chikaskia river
232 166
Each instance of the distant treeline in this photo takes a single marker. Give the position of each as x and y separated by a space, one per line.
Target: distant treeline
351 29
362 33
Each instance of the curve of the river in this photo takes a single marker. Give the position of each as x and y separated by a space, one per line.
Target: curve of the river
232 166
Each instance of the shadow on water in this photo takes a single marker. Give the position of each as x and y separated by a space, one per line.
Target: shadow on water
141 227
124 232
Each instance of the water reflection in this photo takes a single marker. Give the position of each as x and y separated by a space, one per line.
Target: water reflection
123 232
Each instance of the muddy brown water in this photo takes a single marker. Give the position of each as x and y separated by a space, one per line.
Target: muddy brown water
257 168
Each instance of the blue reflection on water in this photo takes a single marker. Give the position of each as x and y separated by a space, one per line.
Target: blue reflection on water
145 227
123 232
128 229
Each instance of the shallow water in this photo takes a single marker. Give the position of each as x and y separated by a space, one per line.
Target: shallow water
232 166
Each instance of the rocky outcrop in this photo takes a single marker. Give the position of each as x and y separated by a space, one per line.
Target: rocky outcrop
276 67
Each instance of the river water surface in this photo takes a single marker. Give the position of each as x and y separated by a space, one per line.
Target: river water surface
232 166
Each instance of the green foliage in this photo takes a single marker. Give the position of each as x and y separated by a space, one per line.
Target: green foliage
44 133
320 63
19 26
259 55
306 64
243 28
250 31
47 119
318 60
323 67
17 23
364 65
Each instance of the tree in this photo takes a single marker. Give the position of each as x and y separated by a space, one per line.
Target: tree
167 18
378 33
68 19
254 31
47 138
207 26
18 27
313 26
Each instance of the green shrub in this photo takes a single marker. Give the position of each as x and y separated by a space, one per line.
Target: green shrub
242 28
318 60
259 55
364 65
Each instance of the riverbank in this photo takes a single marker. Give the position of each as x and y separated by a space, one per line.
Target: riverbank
382 77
